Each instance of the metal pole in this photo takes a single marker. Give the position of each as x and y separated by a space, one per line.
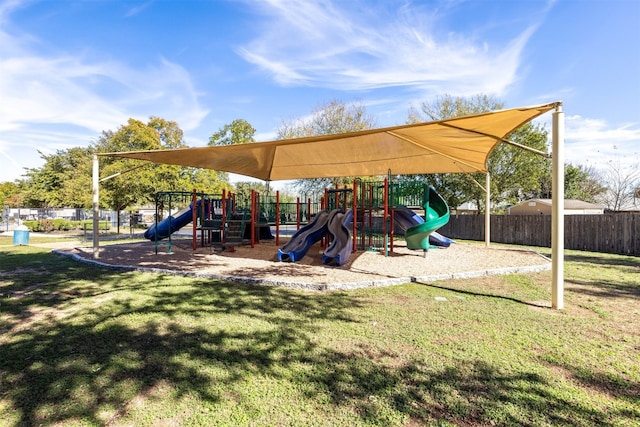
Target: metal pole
277 218
194 218
96 205
386 216
354 212
254 207
487 211
557 206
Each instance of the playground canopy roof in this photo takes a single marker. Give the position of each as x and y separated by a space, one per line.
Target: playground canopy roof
460 144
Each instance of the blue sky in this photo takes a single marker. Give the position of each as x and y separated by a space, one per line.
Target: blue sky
71 69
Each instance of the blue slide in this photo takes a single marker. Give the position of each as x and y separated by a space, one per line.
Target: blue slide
407 219
340 226
307 236
168 226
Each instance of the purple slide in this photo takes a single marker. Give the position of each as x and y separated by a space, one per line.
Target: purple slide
340 225
304 238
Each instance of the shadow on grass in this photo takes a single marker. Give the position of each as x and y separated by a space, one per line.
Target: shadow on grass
480 294
466 393
79 341
604 288
619 278
93 346
603 259
605 383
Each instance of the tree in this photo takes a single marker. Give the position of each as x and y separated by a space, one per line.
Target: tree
447 106
11 191
206 180
243 191
139 186
514 171
582 183
331 118
238 131
63 180
126 189
622 184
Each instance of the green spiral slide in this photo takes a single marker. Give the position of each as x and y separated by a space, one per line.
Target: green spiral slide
436 215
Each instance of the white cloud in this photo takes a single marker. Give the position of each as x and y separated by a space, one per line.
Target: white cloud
92 95
54 100
138 8
354 47
596 142
19 148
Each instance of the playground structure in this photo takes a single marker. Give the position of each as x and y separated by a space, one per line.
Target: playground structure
456 145
365 217
215 220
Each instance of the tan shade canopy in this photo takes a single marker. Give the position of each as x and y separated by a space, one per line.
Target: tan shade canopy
461 144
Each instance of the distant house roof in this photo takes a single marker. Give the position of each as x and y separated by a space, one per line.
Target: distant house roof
568 203
467 206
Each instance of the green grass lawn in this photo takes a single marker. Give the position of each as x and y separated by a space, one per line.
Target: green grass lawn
81 345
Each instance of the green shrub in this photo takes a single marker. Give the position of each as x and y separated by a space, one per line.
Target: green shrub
32 225
102 225
62 224
46 225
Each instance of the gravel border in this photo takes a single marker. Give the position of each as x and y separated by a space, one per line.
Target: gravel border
337 286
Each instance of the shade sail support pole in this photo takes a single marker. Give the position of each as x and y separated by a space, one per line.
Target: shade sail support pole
123 172
487 211
95 175
476 182
96 205
557 211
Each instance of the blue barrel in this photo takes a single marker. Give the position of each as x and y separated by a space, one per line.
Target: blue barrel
20 237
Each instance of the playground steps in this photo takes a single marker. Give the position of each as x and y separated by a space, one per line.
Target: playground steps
235 232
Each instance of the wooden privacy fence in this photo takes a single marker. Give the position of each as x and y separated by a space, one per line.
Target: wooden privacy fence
617 233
